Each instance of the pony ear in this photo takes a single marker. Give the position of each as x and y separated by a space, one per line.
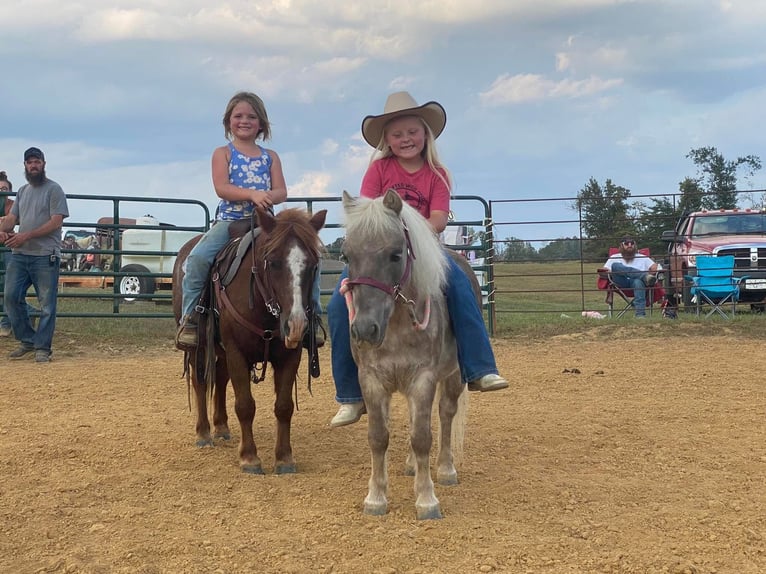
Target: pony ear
265 219
392 201
318 219
348 200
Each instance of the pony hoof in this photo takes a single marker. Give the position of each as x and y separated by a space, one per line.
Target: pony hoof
204 442
429 513
375 509
252 469
222 435
447 479
285 469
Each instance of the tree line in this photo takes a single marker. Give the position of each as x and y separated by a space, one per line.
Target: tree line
607 213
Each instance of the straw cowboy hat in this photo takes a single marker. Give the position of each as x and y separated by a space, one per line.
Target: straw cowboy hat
403 104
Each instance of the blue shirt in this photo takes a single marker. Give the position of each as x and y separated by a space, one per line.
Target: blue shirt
248 173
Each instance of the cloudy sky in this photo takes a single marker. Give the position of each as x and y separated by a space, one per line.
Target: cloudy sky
126 98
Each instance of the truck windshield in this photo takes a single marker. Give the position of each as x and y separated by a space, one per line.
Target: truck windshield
734 224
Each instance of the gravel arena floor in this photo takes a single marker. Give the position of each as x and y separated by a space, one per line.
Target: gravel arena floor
656 463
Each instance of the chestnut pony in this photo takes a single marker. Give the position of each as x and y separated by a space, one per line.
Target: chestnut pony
402 340
261 314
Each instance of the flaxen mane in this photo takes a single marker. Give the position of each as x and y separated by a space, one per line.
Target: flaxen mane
371 220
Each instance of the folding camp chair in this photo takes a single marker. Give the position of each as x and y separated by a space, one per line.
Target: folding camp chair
605 283
715 284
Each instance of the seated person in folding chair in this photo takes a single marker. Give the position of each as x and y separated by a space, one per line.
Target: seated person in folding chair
630 269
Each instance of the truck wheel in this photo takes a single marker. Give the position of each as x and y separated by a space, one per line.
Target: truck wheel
132 285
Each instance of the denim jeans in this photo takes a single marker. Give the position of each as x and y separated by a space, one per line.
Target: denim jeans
42 273
5 321
197 265
200 259
474 351
627 277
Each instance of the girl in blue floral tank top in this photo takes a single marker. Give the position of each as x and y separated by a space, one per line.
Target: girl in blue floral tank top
248 173
245 174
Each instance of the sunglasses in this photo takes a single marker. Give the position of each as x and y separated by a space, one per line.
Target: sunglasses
628 243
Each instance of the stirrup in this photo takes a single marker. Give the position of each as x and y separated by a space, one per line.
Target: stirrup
187 336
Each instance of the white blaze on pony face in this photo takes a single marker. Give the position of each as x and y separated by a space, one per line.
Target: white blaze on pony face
296 263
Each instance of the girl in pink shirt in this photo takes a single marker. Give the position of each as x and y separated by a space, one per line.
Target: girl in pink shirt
406 161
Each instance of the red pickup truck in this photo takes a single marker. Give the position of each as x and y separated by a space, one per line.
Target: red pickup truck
737 232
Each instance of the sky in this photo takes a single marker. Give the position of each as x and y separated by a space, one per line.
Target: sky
127 98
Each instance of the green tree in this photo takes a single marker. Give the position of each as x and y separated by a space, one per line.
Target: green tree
718 176
333 249
562 248
653 220
517 250
691 196
605 215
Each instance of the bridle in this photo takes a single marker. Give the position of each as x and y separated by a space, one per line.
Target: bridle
258 280
395 290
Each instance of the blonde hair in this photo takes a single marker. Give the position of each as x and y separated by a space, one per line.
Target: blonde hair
429 153
259 108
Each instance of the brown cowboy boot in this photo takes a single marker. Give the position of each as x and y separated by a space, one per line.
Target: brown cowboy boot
187 337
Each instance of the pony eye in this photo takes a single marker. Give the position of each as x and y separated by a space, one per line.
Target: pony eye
276 265
396 257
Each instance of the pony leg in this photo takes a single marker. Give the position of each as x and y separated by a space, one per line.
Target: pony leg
426 503
376 503
284 379
452 393
244 406
202 428
220 418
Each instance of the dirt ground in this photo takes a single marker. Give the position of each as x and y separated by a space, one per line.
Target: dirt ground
603 457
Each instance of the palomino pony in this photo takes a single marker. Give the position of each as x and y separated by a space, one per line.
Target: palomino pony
402 341
261 309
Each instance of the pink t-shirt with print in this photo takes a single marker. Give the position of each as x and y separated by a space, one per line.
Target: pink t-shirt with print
424 190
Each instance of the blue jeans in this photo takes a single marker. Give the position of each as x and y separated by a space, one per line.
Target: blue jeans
627 277
5 321
200 259
198 263
42 273
474 351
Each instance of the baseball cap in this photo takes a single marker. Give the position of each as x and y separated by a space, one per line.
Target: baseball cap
34 152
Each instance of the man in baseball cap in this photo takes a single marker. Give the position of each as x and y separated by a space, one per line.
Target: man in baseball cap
34 152
39 210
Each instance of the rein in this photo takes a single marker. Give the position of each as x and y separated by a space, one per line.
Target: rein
395 290
266 334
271 305
260 281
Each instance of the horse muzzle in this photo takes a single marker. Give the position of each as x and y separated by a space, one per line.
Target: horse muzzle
294 330
367 331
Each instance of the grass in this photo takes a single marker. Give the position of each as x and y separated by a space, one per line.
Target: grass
541 300
534 301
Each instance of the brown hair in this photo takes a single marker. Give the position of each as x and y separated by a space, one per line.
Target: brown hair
258 107
4 177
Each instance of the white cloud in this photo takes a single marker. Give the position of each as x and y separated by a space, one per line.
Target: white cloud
312 184
329 147
521 88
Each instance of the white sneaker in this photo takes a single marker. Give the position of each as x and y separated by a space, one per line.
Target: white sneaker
5 332
348 414
491 382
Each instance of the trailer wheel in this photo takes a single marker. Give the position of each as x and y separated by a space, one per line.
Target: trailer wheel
132 285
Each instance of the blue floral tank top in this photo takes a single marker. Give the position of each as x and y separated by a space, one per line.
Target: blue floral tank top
249 173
